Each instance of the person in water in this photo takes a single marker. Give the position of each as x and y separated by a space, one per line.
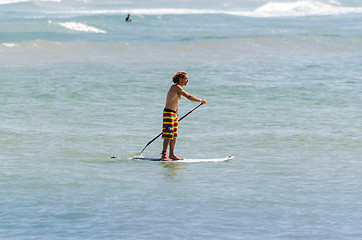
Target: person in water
170 114
128 18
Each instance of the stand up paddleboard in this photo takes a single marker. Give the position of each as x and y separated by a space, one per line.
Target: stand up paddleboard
187 160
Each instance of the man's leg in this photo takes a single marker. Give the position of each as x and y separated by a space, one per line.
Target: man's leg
166 142
172 150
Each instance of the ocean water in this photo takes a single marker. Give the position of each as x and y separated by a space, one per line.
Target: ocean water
78 84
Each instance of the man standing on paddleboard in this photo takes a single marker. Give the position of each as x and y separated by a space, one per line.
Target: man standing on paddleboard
170 114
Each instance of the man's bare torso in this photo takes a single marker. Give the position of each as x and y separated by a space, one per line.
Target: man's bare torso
173 97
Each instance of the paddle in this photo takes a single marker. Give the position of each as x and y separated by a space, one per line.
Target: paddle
161 132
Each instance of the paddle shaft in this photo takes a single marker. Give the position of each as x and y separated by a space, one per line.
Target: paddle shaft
161 132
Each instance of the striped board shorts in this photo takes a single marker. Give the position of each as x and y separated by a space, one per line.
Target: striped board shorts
170 124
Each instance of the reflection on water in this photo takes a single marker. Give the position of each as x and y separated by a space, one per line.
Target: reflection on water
172 169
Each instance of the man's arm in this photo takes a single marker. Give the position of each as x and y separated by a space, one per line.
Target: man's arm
190 97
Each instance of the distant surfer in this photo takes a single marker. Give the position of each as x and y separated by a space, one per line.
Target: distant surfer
170 114
128 18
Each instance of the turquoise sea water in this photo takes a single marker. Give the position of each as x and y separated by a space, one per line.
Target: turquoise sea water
283 82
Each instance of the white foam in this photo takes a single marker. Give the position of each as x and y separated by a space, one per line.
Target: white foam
270 9
10 45
81 27
301 8
141 11
20 1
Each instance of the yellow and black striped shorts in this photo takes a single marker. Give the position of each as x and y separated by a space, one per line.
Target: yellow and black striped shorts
170 124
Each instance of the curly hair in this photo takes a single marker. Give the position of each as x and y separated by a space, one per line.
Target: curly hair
178 75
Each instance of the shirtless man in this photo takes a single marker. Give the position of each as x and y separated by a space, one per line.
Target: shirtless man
170 114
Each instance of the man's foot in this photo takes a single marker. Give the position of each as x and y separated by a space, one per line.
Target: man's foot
174 157
164 156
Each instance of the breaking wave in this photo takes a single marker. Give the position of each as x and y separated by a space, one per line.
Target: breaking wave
23 1
271 9
81 27
301 8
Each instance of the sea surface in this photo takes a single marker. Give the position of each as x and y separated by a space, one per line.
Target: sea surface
78 84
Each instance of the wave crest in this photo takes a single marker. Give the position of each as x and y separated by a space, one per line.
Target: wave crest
22 1
301 8
270 9
81 27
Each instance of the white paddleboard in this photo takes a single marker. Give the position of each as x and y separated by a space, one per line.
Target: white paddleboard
187 160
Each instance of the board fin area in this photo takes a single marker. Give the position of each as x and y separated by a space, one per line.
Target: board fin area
187 160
